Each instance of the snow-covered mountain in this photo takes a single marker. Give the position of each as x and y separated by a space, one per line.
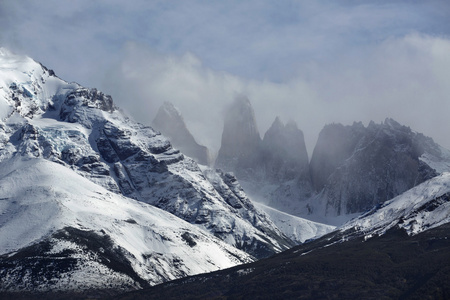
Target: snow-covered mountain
423 207
276 164
74 170
399 250
61 232
170 122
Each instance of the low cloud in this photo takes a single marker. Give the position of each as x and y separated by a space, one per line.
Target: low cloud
405 78
315 62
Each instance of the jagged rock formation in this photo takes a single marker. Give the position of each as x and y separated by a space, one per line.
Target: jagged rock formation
284 152
281 156
170 122
355 167
335 144
241 142
274 170
74 168
286 165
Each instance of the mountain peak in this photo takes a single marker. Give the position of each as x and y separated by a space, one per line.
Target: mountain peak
170 122
74 170
291 125
240 137
284 152
170 109
391 122
277 124
243 101
360 167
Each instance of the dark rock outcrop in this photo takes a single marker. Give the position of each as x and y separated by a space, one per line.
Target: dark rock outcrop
241 142
284 154
170 122
276 168
357 167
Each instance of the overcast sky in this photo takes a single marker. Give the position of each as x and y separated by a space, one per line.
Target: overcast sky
315 62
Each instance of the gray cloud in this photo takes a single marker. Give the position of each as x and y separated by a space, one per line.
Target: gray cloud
312 61
404 78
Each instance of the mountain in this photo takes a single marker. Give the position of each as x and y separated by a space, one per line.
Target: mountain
355 168
392 266
286 166
421 208
241 142
352 169
62 233
273 170
80 189
171 123
284 151
400 250
335 144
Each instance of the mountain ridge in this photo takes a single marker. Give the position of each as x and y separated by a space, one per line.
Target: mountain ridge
352 169
71 150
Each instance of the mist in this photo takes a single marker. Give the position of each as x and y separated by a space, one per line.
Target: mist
314 62
405 79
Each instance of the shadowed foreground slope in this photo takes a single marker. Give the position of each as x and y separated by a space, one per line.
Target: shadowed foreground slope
392 266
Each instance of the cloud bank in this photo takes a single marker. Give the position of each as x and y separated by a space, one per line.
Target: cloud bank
315 62
403 78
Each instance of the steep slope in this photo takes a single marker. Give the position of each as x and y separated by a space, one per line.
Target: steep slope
335 144
171 123
352 169
274 170
61 232
392 266
297 229
284 153
82 129
421 208
286 166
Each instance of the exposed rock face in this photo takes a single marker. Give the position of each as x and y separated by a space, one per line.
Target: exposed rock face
358 168
281 156
284 152
335 144
170 122
275 169
353 168
286 165
241 142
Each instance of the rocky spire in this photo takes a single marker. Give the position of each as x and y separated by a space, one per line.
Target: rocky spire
170 122
240 138
284 151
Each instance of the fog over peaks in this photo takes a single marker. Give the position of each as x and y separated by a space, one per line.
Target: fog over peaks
313 62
